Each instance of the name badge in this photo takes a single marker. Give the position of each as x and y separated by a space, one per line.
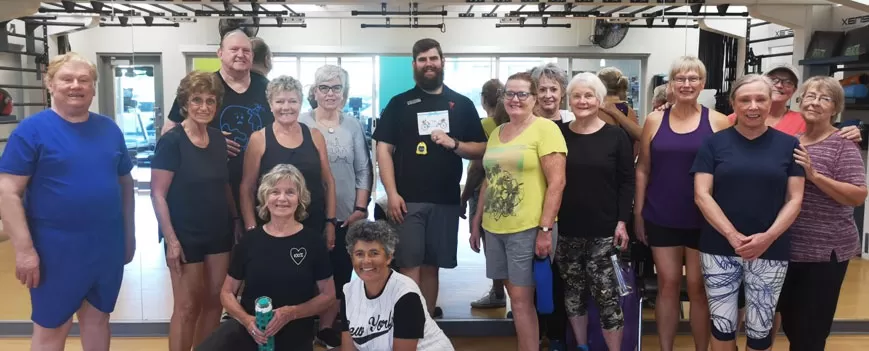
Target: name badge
428 122
414 101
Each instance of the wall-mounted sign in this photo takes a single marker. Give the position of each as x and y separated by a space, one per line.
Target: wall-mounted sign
850 21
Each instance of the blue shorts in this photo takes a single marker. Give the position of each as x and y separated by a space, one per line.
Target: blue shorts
73 271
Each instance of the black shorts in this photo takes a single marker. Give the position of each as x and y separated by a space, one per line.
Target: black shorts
196 250
658 236
342 267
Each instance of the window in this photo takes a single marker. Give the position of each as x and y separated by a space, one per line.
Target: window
466 75
509 65
630 69
360 102
282 65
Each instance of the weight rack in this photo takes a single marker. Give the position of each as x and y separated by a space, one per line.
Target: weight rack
754 63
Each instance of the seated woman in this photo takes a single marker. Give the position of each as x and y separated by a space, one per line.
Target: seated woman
383 309
749 188
283 260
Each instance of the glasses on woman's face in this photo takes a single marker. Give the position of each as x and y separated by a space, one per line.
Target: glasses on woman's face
522 95
690 79
785 82
337 89
823 99
199 101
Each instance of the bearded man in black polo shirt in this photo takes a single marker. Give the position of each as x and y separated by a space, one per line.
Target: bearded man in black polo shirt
422 136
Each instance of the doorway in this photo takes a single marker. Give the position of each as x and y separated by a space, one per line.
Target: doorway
131 93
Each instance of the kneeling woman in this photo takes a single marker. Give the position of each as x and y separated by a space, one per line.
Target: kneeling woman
283 260
383 309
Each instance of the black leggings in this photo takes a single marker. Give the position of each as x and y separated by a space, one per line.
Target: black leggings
554 325
808 302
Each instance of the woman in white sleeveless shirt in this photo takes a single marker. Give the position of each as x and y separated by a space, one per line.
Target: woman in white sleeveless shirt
384 310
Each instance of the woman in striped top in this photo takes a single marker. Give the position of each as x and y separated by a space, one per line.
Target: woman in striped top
824 236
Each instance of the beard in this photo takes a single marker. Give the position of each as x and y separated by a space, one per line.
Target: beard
427 83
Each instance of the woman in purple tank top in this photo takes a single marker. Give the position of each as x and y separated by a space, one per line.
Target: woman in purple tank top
665 216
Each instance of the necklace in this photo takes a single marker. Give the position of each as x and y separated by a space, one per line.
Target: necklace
329 128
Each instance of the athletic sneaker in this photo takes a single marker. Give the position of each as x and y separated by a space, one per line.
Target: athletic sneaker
328 338
490 300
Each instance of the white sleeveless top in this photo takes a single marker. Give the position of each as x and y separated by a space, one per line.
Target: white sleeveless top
370 321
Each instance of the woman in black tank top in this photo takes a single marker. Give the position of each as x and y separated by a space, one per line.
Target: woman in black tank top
287 141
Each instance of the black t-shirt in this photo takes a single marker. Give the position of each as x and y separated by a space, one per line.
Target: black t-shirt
284 269
433 175
600 182
197 196
240 114
750 182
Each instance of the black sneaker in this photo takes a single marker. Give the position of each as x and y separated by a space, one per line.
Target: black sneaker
328 338
438 313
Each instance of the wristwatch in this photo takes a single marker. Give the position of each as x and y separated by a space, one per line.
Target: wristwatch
361 209
332 220
456 146
545 229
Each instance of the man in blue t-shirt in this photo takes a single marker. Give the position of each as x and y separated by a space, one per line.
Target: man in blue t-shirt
68 207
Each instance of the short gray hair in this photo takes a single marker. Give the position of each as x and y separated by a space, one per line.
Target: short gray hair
282 84
379 232
551 71
590 80
329 72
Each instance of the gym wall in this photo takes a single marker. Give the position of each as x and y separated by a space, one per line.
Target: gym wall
344 36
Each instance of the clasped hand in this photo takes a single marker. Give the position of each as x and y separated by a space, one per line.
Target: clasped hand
282 316
750 247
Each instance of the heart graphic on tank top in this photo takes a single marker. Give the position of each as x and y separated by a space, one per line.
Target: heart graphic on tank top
298 255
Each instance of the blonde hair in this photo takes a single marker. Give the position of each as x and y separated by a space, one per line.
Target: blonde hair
687 64
59 61
271 179
829 86
615 82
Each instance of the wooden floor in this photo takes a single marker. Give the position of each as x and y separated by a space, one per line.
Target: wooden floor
683 343
146 294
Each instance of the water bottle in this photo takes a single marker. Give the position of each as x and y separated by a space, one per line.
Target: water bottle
264 314
624 288
543 282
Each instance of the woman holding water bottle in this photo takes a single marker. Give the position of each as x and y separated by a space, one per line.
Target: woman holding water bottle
284 261
596 206
519 200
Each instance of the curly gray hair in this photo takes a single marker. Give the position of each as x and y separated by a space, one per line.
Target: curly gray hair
377 231
551 71
282 84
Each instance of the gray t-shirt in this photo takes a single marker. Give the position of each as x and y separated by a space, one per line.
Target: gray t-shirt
348 158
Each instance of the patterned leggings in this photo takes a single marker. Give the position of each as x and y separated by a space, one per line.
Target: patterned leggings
763 280
584 260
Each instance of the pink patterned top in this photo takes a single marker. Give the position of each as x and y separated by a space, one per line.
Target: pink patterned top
824 225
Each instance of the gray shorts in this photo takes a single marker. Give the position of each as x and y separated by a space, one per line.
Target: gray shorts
428 236
511 256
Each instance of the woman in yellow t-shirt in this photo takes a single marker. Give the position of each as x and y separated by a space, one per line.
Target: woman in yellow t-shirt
524 164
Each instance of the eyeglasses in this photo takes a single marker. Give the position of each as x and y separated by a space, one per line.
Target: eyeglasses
683 80
198 101
522 95
337 89
784 81
822 99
